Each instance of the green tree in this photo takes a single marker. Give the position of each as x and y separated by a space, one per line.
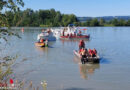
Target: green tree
101 22
57 19
94 22
88 22
10 16
128 23
67 19
115 22
12 6
122 22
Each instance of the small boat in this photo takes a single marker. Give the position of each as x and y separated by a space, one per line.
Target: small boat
57 33
45 35
88 59
40 44
70 32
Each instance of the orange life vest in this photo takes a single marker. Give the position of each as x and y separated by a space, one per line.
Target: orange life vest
41 40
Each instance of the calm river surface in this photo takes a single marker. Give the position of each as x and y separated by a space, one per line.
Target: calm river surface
58 66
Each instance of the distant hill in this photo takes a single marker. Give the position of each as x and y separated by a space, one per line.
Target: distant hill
106 18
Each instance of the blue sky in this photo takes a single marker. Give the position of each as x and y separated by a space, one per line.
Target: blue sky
83 7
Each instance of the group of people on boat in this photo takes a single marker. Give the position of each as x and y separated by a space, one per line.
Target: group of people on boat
71 34
84 53
45 41
71 31
41 39
45 31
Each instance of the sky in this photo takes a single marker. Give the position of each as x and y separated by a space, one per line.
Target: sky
83 8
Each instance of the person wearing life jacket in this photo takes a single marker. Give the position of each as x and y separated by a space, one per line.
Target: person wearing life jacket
71 35
90 52
68 34
48 31
86 52
41 40
83 54
74 34
79 33
46 42
22 29
81 50
38 37
41 43
94 52
63 34
81 44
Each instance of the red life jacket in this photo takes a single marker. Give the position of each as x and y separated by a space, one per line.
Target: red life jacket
41 40
94 52
11 81
79 32
80 50
70 34
90 51
81 43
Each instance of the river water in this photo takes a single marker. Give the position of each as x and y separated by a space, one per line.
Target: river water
58 66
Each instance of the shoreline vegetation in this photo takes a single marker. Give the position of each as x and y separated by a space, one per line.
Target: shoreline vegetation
52 18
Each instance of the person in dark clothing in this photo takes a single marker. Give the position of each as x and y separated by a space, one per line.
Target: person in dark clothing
81 44
84 56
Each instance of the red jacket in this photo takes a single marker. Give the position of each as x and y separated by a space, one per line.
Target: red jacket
81 43
94 52
90 51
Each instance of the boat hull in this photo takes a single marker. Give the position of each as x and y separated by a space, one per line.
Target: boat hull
49 38
88 59
75 37
40 44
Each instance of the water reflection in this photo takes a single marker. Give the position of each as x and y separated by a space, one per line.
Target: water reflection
41 49
87 69
45 49
73 41
104 61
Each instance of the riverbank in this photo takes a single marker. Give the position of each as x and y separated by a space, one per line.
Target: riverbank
37 28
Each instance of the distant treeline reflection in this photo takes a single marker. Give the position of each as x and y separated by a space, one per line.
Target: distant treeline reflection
52 18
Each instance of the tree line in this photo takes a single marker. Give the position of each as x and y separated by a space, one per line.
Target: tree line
52 18
102 22
45 18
